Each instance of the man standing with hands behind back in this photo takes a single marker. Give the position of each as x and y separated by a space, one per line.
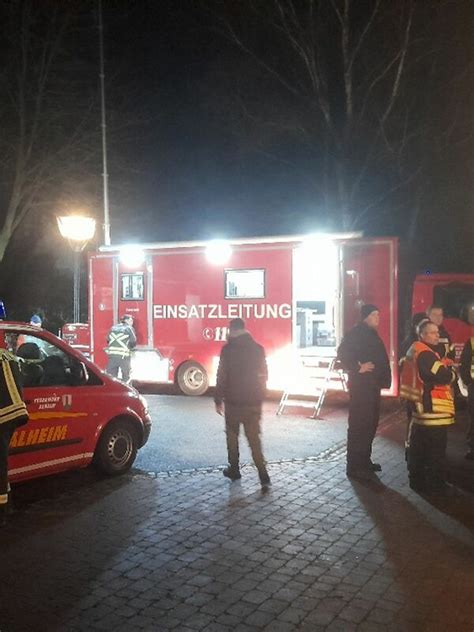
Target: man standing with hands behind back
363 355
240 390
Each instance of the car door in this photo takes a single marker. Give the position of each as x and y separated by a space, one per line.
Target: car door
59 424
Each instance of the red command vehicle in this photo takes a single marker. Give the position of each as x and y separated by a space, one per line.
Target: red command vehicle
78 414
298 295
455 294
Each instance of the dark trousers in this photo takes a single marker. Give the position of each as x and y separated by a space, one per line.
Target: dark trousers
249 418
6 432
426 454
117 363
470 410
364 413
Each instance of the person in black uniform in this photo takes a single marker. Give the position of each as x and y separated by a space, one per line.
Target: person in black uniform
362 354
467 375
240 390
120 342
445 347
13 413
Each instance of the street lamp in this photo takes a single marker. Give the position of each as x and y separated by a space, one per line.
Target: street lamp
78 230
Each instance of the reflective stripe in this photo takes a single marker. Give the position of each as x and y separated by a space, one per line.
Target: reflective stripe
3 499
436 367
118 344
428 420
11 384
44 464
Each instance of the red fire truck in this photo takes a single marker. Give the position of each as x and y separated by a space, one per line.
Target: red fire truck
297 295
455 294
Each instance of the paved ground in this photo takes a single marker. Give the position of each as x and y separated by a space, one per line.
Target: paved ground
188 433
192 552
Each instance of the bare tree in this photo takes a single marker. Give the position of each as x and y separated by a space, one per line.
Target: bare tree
46 111
344 79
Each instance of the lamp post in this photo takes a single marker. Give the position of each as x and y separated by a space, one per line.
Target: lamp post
78 230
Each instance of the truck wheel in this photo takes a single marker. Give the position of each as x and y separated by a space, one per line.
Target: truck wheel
192 379
117 448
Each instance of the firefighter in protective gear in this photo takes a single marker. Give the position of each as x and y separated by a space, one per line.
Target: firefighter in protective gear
467 376
13 413
120 342
426 382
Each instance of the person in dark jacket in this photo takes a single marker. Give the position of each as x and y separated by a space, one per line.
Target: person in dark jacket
240 390
120 342
467 375
363 356
13 413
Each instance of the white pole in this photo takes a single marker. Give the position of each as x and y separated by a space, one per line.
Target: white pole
105 174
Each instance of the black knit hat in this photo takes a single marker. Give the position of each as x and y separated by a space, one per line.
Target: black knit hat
365 310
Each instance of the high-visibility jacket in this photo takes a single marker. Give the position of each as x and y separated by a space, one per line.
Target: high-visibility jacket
12 406
121 340
426 381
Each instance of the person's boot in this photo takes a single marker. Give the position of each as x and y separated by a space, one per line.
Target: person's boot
232 472
264 477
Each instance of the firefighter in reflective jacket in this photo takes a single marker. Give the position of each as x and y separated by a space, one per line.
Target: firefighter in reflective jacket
120 342
13 413
426 382
467 376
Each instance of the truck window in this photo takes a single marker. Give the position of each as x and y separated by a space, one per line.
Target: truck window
245 283
456 299
132 286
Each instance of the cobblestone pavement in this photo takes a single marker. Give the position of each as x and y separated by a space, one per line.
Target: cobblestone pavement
192 551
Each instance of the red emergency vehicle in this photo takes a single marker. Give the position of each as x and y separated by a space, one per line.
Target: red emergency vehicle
78 414
297 294
455 294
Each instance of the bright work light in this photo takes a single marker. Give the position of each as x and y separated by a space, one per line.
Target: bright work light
218 252
132 256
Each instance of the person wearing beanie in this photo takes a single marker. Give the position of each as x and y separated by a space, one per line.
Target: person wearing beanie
240 390
363 356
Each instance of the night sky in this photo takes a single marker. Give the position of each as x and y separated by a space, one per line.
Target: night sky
194 151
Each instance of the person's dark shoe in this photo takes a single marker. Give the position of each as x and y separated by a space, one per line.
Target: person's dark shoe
232 472
375 467
360 474
264 479
470 455
3 515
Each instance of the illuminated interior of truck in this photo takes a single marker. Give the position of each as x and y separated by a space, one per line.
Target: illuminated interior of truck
315 283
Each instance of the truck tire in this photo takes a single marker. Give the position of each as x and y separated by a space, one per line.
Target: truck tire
117 447
192 379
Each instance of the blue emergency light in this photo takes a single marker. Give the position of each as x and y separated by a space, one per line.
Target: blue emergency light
3 313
